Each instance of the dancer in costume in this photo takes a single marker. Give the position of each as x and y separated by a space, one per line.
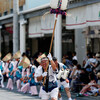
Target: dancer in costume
10 76
63 72
18 77
1 72
50 88
32 81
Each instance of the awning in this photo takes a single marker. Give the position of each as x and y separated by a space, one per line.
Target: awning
38 26
47 23
35 27
84 16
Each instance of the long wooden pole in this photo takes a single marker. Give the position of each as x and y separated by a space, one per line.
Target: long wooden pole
51 45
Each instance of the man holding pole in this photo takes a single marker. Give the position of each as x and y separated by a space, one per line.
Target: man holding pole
50 87
45 71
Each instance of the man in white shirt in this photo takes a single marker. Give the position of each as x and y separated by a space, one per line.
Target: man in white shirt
62 80
50 88
74 56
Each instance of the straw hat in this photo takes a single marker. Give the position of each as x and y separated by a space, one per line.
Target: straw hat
25 62
98 74
40 57
0 54
7 57
17 55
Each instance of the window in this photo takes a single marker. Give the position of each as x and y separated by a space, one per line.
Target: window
21 8
5 13
11 11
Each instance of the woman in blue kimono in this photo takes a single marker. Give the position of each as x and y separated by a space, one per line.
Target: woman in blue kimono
1 73
32 81
10 76
18 77
25 81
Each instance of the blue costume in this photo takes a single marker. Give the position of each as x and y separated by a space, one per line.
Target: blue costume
1 68
32 80
19 73
11 69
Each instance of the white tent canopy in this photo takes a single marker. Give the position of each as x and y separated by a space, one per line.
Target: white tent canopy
84 16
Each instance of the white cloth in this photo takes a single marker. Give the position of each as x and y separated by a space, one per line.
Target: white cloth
61 65
1 79
49 56
64 83
93 89
33 67
74 58
44 74
84 16
52 94
35 27
90 60
47 23
52 75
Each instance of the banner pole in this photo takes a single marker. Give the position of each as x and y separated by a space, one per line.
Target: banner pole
51 45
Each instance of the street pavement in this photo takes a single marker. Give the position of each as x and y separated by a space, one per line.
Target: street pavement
6 94
11 95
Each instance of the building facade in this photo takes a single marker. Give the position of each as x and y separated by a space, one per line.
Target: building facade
73 32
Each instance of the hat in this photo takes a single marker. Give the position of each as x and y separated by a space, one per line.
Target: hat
40 58
97 55
25 62
17 55
98 74
7 57
0 54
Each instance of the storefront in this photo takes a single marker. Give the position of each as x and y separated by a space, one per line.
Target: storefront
7 38
40 31
85 20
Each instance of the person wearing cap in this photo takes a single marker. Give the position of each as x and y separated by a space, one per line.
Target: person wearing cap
62 79
50 87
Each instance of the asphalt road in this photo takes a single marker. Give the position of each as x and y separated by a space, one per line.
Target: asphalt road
6 94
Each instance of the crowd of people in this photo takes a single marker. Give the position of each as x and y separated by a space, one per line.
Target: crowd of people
45 71
85 78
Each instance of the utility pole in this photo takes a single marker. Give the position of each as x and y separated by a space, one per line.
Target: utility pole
15 25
